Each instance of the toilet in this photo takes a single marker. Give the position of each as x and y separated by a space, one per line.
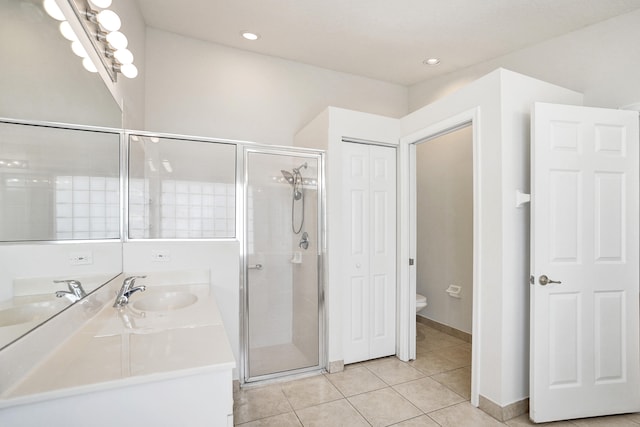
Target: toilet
421 302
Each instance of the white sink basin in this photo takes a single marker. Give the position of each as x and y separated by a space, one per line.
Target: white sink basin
28 312
165 301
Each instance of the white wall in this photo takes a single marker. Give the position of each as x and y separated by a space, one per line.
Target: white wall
199 88
444 187
134 27
501 101
601 61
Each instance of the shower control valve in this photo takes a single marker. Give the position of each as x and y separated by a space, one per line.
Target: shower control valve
304 241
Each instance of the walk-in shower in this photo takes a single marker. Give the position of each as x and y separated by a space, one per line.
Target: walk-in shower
295 179
282 330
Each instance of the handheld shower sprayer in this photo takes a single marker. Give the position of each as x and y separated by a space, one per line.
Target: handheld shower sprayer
295 179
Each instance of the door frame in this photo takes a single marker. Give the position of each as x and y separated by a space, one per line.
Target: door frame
242 235
407 234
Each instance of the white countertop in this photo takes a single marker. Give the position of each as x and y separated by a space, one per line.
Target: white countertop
122 347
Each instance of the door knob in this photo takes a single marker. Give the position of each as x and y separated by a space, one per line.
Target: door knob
358 265
544 280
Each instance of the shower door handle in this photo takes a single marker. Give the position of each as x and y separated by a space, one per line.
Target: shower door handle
255 267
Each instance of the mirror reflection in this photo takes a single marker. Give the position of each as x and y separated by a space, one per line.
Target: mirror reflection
58 184
35 299
42 80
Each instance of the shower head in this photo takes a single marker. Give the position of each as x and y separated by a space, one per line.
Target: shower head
288 176
297 170
295 179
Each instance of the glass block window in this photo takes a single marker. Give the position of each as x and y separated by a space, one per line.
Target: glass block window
181 189
87 207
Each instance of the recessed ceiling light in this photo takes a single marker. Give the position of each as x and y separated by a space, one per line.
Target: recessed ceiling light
431 61
250 36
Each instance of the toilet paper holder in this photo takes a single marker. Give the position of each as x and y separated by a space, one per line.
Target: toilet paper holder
454 291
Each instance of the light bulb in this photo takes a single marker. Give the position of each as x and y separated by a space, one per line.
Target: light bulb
117 40
123 56
67 32
78 49
88 65
109 20
101 4
130 71
53 10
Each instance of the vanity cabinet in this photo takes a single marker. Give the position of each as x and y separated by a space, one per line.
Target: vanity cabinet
198 399
164 359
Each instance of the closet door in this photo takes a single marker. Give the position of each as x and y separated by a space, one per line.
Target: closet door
369 268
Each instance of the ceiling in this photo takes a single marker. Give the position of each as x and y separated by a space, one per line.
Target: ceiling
381 39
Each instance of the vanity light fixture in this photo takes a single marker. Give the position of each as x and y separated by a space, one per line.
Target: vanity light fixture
123 56
130 71
67 31
14 164
52 9
102 26
78 49
108 19
88 65
117 40
250 36
431 61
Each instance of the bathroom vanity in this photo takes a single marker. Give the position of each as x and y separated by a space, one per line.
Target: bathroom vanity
163 359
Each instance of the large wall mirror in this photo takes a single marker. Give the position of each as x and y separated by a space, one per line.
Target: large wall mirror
58 183
60 210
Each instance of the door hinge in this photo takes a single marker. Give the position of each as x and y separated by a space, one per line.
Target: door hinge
410 261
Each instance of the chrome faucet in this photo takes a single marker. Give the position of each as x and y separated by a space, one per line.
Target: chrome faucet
127 289
75 291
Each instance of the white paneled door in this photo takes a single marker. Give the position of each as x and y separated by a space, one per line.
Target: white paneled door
369 227
584 263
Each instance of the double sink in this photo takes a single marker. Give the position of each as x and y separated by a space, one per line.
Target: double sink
36 309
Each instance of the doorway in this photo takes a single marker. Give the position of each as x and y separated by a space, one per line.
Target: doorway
282 315
469 121
444 227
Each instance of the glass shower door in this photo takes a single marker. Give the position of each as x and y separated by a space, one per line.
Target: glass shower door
282 327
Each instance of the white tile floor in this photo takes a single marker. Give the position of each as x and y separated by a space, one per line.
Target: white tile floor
432 390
